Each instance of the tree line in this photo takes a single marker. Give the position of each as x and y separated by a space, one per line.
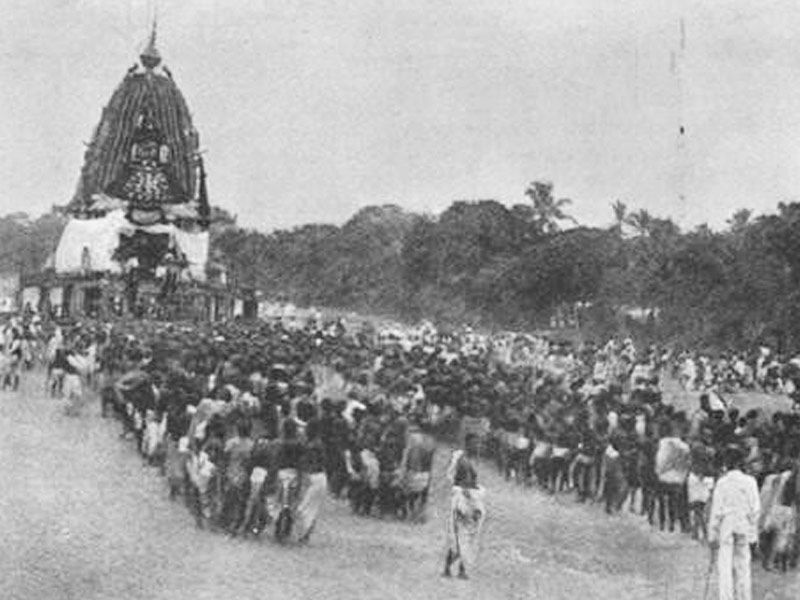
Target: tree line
497 266
500 266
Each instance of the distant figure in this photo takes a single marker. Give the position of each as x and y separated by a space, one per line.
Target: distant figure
13 359
467 511
73 387
415 466
315 486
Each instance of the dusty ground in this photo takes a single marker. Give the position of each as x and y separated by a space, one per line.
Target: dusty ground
80 517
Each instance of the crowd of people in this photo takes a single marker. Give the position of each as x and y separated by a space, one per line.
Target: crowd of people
257 423
615 440
761 369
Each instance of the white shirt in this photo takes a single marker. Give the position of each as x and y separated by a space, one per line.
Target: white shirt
735 506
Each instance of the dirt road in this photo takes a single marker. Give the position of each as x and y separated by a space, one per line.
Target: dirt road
82 518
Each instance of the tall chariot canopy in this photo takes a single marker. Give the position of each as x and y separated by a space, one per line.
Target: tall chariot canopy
144 152
140 208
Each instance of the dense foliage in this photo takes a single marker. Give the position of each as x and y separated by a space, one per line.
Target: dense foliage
497 266
25 243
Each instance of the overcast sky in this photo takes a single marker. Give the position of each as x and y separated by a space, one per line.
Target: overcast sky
311 109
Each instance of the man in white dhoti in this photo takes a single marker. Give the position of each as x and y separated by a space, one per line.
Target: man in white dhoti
735 506
315 482
73 386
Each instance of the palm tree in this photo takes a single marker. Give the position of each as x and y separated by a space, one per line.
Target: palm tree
620 215
548 210
641 221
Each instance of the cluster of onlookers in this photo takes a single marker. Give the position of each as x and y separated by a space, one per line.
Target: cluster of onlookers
761 369
612 438
248 418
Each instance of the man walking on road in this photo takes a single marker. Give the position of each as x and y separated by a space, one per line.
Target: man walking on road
735 506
